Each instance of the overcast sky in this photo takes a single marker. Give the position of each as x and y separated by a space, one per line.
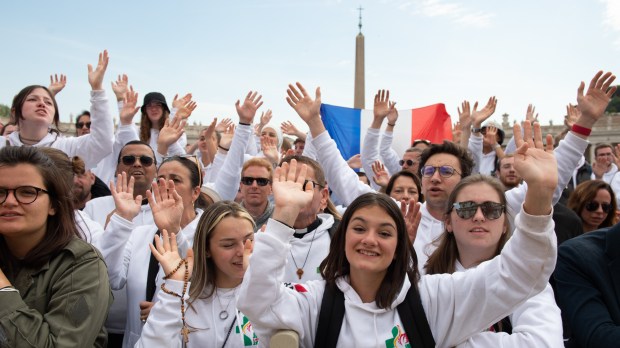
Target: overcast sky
424 51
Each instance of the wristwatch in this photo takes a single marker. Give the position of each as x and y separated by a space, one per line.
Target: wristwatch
476 130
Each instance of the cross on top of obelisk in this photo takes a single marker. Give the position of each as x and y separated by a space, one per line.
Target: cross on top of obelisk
360 24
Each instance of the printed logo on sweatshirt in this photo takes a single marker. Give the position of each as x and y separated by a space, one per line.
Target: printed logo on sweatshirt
249 337
296 287
399 339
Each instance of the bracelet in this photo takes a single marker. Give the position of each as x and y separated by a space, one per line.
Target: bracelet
391 125
223 148
244 124
181 263
476 130
9 289
581 130
287 225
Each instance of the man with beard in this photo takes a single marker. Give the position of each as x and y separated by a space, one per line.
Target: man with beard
506 173
86 186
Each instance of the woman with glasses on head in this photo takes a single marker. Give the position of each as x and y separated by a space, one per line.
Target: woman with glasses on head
595 203
35 111
54 289
476 230
203 310
173 200
371 270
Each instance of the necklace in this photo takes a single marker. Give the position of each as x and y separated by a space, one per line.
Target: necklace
300 270
224 312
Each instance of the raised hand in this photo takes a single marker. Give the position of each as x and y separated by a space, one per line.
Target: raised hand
381 176
224 125
465 115
381 108
307 108
127 206
530 114
166 205
120 87
392 115
491 135
289 128
57 84
355 162
166 251
413 216
265 117
248 247
290 195
227 136
456 132
572 114
170 133
95 77
537 165
185 111
179 102
270 150
247 110
479 116
129 109
593 104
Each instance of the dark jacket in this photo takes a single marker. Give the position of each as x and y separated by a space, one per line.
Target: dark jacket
63 303
587 278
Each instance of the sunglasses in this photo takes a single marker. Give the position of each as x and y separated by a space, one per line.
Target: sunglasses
418 141
444 171
82 124
490 210
593 206
248 180
129 160
409 162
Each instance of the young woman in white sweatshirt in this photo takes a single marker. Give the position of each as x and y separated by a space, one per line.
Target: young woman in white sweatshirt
476 230
215 265
372 262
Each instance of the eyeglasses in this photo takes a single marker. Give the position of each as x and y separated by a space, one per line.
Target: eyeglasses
593 206
409 162
490 210
129 160
444 171
248 181
23 194
82 124
316 184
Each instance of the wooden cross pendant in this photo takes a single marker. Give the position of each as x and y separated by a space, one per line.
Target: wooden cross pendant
300 272
185 334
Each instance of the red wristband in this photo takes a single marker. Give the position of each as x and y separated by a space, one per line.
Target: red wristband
581 130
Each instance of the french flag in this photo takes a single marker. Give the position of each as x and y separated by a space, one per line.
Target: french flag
348 126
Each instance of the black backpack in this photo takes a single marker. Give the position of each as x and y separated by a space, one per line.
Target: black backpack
410 312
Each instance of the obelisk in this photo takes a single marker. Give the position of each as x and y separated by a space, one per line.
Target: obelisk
359 98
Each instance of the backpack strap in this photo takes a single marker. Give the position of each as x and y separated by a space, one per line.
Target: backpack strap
330 317
414 320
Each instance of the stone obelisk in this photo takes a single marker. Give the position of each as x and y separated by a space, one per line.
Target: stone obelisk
359 97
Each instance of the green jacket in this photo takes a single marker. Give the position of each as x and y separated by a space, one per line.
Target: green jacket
64 303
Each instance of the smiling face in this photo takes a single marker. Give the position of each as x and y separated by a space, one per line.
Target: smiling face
370 241
507 173
38 107
226 250
270 133
593 219
19 221
180 175
142 174
255 195
477 238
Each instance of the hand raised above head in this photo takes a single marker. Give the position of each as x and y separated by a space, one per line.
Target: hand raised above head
465 115
307 108
593 103
479 116
291 192
95 76
129 109
166 205
57 84
120 87
382 104
247 110
127 206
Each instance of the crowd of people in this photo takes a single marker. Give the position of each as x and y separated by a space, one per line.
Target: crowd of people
131 237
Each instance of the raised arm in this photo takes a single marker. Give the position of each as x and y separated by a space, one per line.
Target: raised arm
57 84
370 148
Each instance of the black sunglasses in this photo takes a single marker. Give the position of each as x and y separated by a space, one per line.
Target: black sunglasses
444 171
82 124
593 206
248 180
129 160
409 162
490 210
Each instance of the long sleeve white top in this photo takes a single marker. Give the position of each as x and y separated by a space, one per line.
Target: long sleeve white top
457 306
91 147
229 176
370 154
388 154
